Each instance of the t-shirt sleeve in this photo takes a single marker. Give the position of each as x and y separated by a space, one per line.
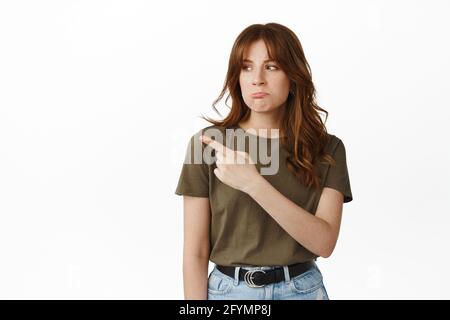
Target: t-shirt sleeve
194 176
337 176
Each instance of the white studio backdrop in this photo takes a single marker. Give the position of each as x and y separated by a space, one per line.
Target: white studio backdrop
99 98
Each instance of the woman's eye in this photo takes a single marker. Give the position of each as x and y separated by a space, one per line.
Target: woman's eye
275 67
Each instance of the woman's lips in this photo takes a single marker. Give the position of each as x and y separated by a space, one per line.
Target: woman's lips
259 95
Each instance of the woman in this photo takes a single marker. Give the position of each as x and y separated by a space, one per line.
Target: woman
263 232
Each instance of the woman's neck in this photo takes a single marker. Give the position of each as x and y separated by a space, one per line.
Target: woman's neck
262 123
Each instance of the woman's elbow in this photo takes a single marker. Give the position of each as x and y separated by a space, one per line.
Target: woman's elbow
328 249
326 253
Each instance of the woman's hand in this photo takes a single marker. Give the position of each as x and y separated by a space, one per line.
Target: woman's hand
234 168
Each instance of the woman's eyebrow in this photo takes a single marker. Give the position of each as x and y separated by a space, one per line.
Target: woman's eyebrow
248 60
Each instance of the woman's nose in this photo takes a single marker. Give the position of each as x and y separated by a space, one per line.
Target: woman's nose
258 78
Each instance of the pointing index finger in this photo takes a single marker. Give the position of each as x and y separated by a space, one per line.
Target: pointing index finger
214 144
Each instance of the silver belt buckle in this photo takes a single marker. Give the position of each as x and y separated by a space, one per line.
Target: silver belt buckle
248 277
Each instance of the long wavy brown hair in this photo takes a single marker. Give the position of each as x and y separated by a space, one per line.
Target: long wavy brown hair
302 133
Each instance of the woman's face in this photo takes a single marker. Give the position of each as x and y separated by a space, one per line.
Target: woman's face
260 75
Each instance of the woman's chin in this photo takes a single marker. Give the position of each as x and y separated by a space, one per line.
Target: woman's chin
261 108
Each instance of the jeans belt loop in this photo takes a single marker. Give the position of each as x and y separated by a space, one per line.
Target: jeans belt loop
236 275
287 276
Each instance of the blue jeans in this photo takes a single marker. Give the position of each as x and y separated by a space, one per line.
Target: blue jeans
306 286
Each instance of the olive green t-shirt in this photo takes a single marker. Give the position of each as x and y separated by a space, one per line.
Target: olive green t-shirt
242 233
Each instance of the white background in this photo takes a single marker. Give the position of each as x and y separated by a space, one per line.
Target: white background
99 98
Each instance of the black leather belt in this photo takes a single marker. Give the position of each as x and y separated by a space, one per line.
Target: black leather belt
259 278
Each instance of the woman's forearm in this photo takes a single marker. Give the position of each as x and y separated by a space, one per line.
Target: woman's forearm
195 277
310 231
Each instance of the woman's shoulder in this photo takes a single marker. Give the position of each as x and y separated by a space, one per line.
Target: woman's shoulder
332 143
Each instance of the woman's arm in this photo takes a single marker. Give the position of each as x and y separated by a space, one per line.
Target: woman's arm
318 233
196 247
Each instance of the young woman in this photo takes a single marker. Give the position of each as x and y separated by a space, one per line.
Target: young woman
263 232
